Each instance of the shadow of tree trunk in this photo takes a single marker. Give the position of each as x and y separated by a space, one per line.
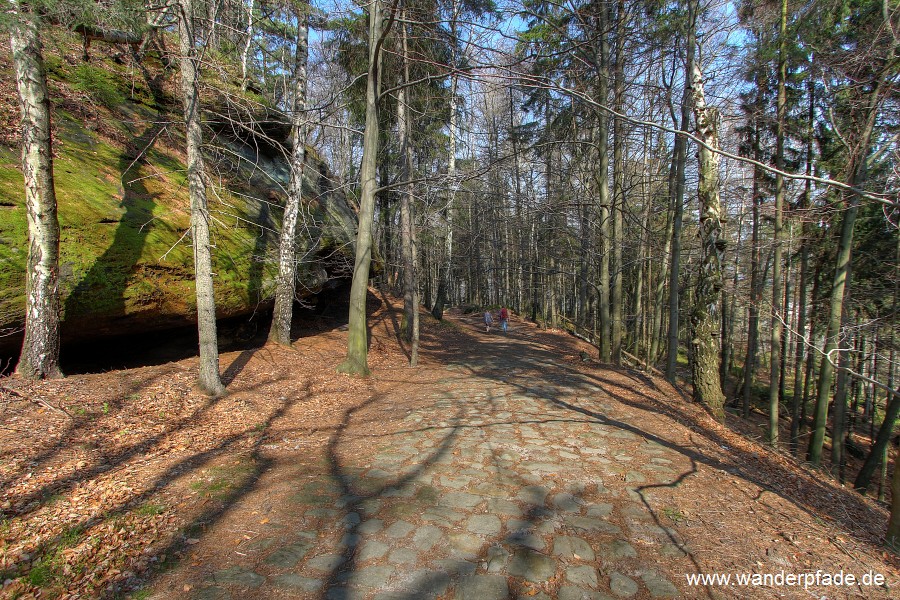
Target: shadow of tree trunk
103 288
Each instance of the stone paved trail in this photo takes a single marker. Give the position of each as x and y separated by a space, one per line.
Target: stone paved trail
507 475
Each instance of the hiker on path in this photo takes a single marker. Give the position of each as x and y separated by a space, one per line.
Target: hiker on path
488 321
504 319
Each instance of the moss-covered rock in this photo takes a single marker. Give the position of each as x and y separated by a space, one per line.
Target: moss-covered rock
126 258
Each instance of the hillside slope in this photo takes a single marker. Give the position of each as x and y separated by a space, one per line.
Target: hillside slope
126 258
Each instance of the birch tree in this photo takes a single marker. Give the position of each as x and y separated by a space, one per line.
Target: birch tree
287 250
705 349
40 349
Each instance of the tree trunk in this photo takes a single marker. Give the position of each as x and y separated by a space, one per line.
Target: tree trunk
437 310
729 309
809 373
617 309
705 349
890 416
407 220
552 315
209 379
659 292
356 362
245 55
801 287
280 331
864 477
676 192
755 286
212 18
892 538
787 303
603 198
839 419
585 239
521 243
856 174
641 329
40 349
777 289
826 372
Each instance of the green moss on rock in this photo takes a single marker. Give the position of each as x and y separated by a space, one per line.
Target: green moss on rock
126 261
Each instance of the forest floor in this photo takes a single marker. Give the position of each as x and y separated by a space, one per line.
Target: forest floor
504 466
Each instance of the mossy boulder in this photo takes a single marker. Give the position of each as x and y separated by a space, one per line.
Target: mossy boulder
126 258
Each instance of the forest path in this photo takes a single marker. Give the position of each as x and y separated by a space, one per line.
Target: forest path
504 467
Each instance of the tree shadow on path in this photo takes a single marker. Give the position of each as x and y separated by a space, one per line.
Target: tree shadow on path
537 371
355 493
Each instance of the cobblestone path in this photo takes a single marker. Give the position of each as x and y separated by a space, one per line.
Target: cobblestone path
510 476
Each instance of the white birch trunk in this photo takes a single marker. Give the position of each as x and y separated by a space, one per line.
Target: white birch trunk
245 55
705 320
40 350
287 251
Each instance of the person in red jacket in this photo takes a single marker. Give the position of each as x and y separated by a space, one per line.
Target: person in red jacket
504 319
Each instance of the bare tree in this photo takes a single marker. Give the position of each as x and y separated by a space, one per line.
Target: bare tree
356 362
209 379
704 317
40 350
676 194
287 251
407 205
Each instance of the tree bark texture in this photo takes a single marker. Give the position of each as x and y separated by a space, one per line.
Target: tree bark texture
777 284
603 197
446 269
676 192
755 295
705 349
209 379
245 55
839 418
280 331
892 538
40 349
856 174
864 477
407 219
356 362
797 399
617 309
